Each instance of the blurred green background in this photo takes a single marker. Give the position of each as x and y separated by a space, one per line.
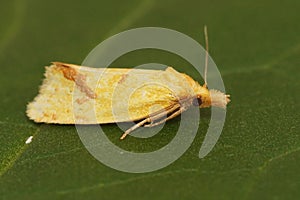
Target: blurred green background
255 44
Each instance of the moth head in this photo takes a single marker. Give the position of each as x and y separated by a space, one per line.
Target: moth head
219 99
205 97
209 98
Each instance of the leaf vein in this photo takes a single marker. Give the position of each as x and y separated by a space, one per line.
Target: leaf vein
12 162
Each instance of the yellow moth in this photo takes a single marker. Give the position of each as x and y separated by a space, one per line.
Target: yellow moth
84 95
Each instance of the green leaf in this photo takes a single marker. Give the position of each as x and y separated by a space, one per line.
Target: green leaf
256 46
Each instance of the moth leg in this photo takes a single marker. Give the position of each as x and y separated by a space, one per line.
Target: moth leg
141 123
175 114
149 119
162 113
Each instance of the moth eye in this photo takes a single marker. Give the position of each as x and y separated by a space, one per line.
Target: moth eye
197 101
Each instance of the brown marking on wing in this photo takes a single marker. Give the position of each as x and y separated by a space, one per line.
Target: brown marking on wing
79 79
124 76
54 116
82 100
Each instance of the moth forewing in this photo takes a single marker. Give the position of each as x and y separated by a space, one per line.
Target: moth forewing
83 95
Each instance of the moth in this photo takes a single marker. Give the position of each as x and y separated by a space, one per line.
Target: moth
73 94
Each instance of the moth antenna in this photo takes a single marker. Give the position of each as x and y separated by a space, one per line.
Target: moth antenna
206 56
